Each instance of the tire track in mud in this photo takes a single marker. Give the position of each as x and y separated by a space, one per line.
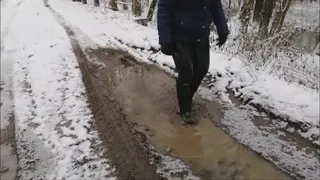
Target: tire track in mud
123 145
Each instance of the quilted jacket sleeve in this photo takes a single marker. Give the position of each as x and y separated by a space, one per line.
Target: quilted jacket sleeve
164 21
219 18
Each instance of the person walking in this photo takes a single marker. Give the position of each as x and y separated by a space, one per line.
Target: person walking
183 29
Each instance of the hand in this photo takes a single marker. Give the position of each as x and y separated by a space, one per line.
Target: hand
222 39
167 49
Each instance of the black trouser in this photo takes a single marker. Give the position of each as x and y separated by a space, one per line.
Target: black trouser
192 63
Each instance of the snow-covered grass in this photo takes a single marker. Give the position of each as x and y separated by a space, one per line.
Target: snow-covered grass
290 62
51 112
304 14
301 164
291 100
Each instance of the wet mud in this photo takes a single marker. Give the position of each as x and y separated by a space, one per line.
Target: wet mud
147 97
9 161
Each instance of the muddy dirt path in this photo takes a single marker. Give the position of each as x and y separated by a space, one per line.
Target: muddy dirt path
147 96
9 161
123 144
134 104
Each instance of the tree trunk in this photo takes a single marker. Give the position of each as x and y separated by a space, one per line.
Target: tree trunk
265 18
146 3
277 16
257 10
317 49
96 2
151 9
281 9
114 5
245 14
136 8
125 6
284 14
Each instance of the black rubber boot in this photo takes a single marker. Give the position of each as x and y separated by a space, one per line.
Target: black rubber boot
187 118
183 94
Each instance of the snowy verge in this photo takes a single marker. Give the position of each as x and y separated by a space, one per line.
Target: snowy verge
54 136
169 167
269 138
289 100
7 13
299 163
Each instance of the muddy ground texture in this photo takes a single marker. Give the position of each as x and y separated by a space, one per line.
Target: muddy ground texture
134 105
8 144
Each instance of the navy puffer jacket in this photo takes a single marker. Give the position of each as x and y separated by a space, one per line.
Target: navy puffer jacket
189 20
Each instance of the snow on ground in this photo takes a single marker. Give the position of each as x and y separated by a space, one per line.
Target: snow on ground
268 140
169 167
284 155
304 14
8 156
53 120
7 12
291 100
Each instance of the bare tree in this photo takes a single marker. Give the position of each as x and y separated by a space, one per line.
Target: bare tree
317 49
96 2
125 6
245 14
145 3
136 7
284 13
266 14
113 5
281 9
257 10
151 9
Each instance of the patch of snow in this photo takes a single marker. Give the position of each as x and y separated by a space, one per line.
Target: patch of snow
7 13
169 167
298 163
304 14
6 102
52 114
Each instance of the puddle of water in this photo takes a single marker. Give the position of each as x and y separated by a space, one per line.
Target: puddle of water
148 98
